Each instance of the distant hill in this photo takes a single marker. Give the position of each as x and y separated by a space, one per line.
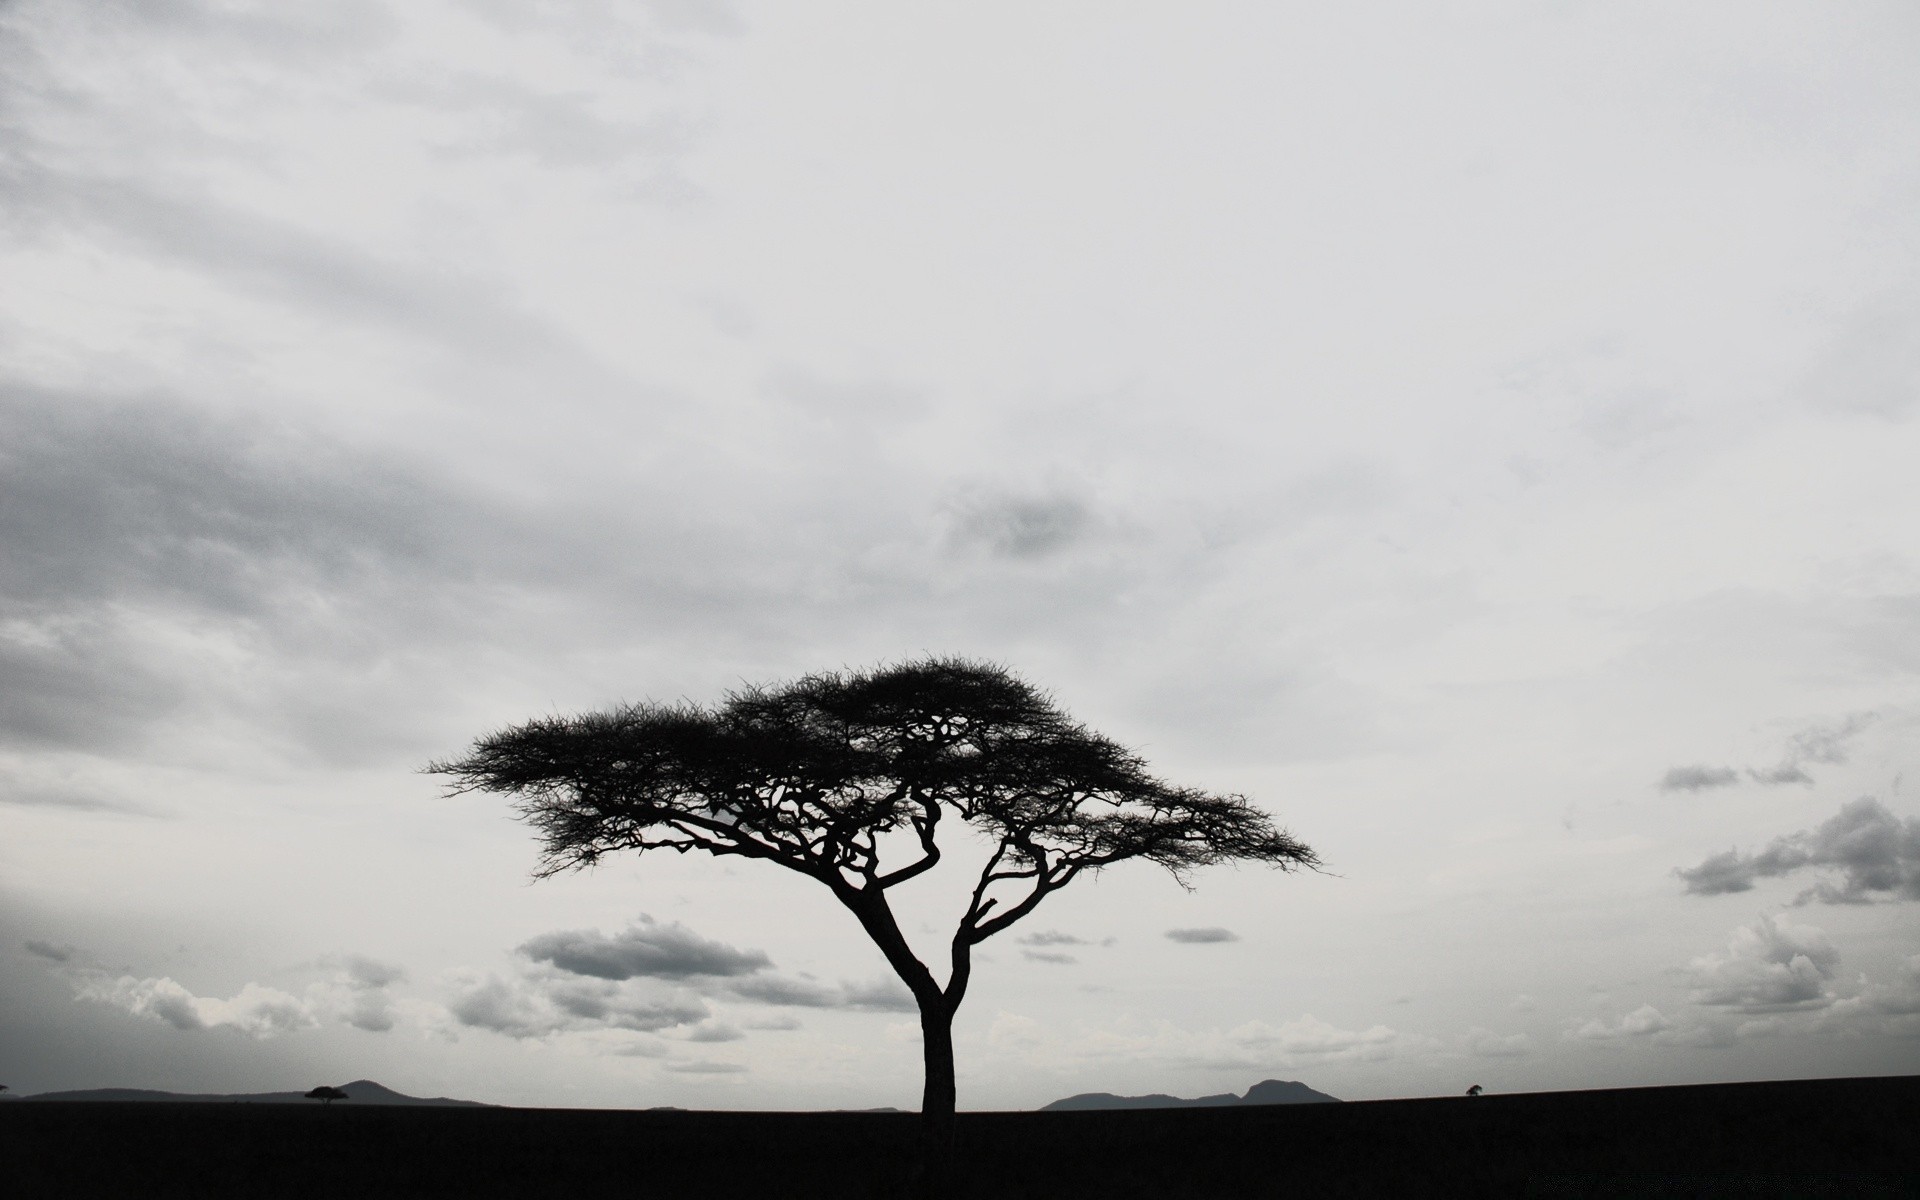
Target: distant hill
360 1091
1271 1091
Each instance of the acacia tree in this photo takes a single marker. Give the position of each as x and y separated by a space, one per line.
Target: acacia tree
814 775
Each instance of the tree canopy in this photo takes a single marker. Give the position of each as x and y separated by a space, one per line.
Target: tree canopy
818 775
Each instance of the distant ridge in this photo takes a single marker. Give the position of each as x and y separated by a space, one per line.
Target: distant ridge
1271 1091
360 1091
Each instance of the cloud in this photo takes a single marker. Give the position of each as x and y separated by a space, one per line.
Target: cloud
1308 1038
542 1007
1820 744
785 991
146 542
1051 937
650 950
1048 957
1886 1008
1788 772
713 1031
260 1012
371 973
1484 1043
1875 853
645 949
1823 744
50 951
1022 527
357 992
705 1067
879 995
1697 778
1770 965
1203 936
1827 743
1644 1021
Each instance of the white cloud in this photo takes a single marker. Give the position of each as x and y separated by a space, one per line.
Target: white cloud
1768 966
536 1006
1892 1007
1641 1022
258 1011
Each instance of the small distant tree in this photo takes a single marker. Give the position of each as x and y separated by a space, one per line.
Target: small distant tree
811 775
326 1095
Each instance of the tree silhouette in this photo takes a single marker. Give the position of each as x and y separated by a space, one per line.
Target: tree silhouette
326 1095
813 775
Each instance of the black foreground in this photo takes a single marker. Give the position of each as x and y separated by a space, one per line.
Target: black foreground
1830 1137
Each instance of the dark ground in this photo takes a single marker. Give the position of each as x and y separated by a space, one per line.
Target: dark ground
1832 1137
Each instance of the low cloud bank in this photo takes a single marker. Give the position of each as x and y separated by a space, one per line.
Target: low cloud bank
648 978
257 1011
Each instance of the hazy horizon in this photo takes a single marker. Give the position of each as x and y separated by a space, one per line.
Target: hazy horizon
1483 437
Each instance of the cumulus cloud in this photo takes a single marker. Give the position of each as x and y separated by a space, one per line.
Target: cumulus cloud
1892 1007
354 991
1202 936
357 993
1697 778
542 1007
1644 1021
644 949
1770 965
260 1012
1875 853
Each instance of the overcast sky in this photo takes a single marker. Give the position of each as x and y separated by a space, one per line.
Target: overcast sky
1484 434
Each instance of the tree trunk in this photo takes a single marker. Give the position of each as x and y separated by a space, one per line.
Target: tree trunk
937 1124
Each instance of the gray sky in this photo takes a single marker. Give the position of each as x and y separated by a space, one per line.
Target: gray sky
1485 435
